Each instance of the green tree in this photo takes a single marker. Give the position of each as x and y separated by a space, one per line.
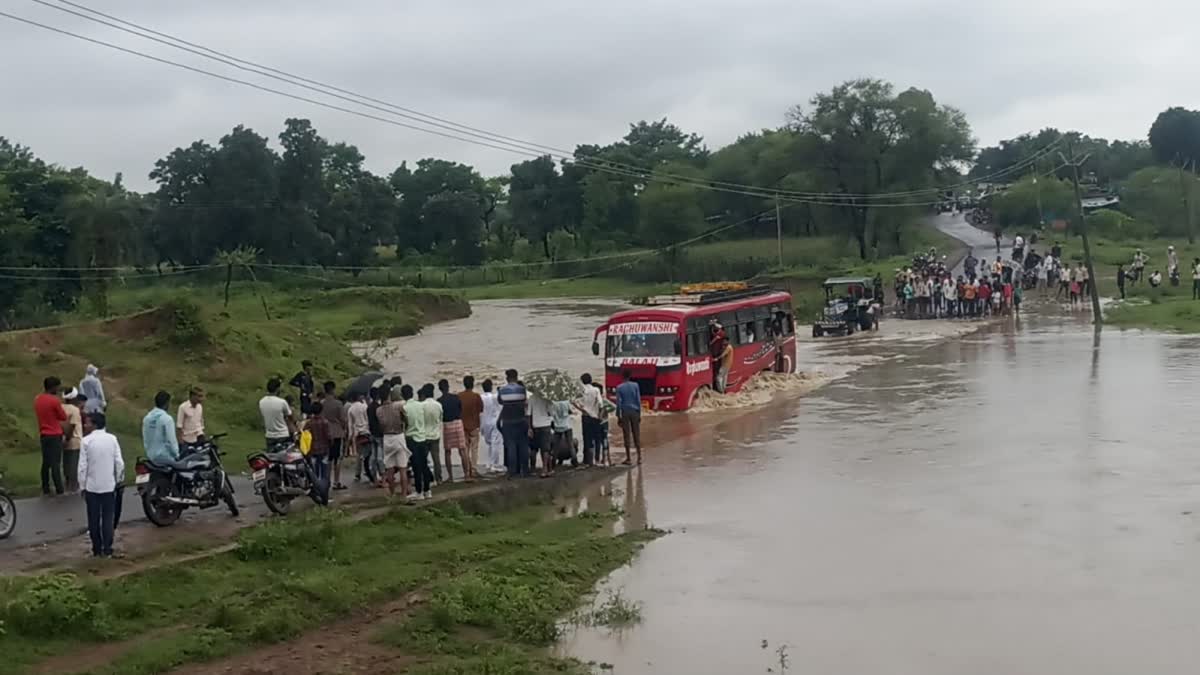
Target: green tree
871 141
533 198
1175 136
669 215
100 221
1018 206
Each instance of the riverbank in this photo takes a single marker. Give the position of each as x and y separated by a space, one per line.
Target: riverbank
475 584
189 337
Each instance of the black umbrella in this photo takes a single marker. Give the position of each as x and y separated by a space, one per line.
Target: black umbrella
363 383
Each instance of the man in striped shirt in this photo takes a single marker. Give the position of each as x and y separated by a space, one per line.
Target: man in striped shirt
514 425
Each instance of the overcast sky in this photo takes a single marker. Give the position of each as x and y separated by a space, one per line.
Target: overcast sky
565 72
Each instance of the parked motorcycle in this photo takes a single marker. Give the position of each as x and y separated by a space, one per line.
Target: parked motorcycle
283 474
8 513
196 479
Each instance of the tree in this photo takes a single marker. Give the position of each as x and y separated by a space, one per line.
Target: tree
1152 195
532 196
458 215
659 142
1018 206
669 215
100 222
416 188
871 140
1175 136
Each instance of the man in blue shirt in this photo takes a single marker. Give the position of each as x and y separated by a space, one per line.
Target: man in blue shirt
514 425
629 414
158 432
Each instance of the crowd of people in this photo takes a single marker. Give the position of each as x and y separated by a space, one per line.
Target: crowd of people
931 291
398 437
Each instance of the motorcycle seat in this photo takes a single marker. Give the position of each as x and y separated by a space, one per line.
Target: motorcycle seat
284 457
187 464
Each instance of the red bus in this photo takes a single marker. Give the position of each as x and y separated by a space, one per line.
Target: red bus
665 344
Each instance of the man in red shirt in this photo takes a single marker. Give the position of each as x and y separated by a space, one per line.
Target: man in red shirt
985 298
50 416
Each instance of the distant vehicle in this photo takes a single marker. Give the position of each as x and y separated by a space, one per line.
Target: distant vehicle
847 307
665 345
8 513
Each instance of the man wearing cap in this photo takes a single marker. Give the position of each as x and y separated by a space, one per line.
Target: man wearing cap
73 403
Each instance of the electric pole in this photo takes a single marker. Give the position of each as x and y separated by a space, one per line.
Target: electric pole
1075 163
779 230
1184 189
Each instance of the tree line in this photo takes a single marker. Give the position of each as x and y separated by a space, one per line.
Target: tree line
306 200
1154 179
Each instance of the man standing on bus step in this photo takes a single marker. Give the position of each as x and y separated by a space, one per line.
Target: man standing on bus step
726 362
629 414
715 347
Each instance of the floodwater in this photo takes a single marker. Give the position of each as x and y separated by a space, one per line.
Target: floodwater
1017 499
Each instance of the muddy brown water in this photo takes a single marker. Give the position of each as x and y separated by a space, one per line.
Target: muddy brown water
1018 499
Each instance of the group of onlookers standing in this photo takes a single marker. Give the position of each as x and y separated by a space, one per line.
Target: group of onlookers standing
76 446
403 438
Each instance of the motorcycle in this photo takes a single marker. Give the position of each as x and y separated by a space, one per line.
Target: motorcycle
282 474
8 513
196 479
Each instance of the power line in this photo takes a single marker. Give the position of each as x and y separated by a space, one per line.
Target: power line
527 147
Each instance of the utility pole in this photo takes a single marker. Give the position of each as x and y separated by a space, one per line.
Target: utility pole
1184 189
779 230
1075 163
1038 190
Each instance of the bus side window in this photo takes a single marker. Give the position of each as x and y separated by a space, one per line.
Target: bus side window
789 325
697 345
748 334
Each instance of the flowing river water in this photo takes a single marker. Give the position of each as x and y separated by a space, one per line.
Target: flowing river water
1021 498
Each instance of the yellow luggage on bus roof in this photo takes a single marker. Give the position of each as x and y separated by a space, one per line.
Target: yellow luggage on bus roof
711 286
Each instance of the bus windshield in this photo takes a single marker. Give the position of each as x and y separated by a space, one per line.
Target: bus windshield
645 338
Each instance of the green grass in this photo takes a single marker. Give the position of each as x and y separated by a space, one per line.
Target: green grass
500 617
1164 308
513 573
192 339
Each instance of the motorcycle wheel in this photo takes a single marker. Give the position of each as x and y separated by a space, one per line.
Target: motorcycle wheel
276 502
227 495
8 516
160 514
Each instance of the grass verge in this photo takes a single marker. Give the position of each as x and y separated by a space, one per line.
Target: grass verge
513 572
175 338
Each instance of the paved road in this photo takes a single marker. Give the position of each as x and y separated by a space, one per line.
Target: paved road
47 519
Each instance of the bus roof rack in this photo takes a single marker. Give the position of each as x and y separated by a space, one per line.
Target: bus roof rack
707 294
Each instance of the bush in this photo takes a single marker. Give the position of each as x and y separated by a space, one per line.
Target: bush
317 532
56 603
1118 226
186 324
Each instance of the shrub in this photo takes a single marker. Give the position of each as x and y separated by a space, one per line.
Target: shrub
56 603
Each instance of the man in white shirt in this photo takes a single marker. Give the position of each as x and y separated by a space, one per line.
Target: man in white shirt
359 436
101 470
588 404
277 415
189 423
540 422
